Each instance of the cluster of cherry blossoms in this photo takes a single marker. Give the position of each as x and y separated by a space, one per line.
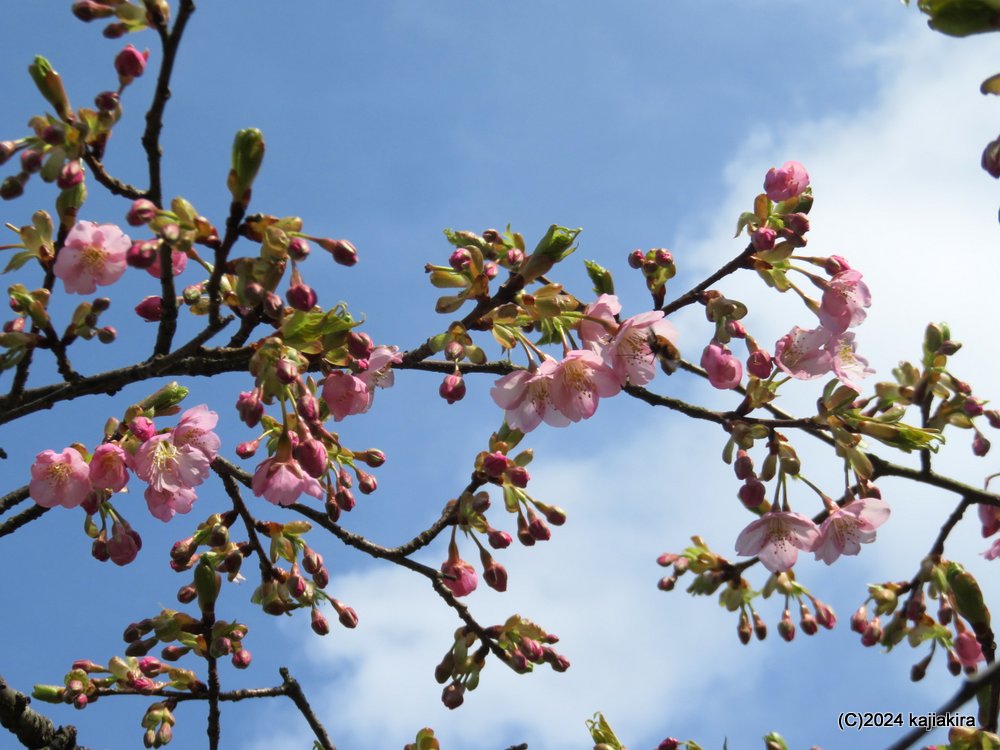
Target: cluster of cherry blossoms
777 536
302 452
569 390
172 462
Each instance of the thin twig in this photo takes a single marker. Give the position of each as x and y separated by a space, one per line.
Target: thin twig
692 295
266 568
11 499
294 691
21 519
114 185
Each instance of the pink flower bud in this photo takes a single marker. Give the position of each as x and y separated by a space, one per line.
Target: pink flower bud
345 499
763 238
797 223
107 101
786 182
786 628
460 258
272 306
31 160
143 428
452 387
247 449
662 257
241 659
495 576
495 464
124 544
453 695
872 634
141 212
70 175
366 483
312 457
343 252
980 445
538 529
973 407
150 309
319 623
150 666
991 158
514 256
88 10
13 186
724 370
298 249
499 539
7 150
130 63
759 364
286 371
743 465
142 254
301 297
825 615
636 258
250 407
347 616
518 476
491 269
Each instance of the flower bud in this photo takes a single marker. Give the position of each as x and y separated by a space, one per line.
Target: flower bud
312 457
759 627
360 345
872 633
143 428
786 628
130 64
366 483
241 659
7 150
248 153
301 297
636 258
319 623
980 445
763 238
150 309
744 631
460 258
452 387
498 539
991 158
141 212
70 175
343 252
13 186
759 364
88 10
453 695
372 457
107 101
31 160
298 249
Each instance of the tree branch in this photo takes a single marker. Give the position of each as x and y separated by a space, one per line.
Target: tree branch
31 728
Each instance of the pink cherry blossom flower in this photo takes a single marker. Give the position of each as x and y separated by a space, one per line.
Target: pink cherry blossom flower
179 459
847 528
845 298
847 365
92 255
579 382
108 467
801 353
782 183
195 430
281 482
464 579
164 504
724 370
776 539
379 371
526 398
989 517
603 310
967 649
345 394
178 262
629 354
59 479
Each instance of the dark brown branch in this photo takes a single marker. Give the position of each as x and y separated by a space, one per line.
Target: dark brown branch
21 519
266 568
202 362
30 727
294 691
236 212
739 262
114 185
12 499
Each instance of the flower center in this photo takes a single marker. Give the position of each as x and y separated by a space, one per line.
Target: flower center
93 257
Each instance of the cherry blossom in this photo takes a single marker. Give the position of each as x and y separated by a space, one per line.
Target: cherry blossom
776 539
464 580
628 353
93 254
787 181
579 382
59 479
801 353
379 371
845 529
165 504
845 298
281 482
724 370
599 322
108 467
345 394
967 649
526 399
847 365
178 262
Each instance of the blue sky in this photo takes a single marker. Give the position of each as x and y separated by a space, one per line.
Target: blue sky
648 124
